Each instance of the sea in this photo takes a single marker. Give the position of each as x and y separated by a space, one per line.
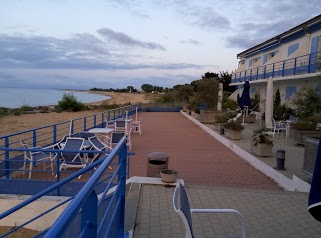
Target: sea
17 97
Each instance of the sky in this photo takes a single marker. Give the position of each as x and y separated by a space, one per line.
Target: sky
81 44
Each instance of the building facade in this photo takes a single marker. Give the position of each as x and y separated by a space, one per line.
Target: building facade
292 59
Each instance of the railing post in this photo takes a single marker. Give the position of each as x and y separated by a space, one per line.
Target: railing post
283 67
34 138
245 76
103 121
85 123
7 163
273 70
264 69
250 74
257 73
122 184
294 69
55 134
95 121
89 216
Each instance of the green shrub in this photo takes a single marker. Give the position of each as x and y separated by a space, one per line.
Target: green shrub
3 111
304 125
25 108
18 112
70 103
234 125
221 118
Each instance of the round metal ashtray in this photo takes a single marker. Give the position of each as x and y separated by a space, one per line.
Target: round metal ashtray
168 175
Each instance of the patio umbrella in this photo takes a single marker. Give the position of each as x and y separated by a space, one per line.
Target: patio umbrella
269 103
245 100
314 206
220 97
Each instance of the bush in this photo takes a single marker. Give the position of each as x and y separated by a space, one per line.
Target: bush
4 111
18 112
308 102
234 125
221 118
304 125
70 103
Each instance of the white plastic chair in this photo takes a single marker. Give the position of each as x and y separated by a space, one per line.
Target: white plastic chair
34 157
185 212
280 126
136 126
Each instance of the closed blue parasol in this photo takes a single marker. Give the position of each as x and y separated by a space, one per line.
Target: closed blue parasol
245 100
314 206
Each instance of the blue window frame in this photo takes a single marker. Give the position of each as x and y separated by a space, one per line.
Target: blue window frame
292 48
289 91
264 58
250 63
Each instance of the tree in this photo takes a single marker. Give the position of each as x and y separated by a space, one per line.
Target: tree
308 102
209 75
207 92
147 88
130 89
225 79
184 93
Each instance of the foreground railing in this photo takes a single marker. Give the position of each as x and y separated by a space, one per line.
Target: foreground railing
304 64
88 214
12 160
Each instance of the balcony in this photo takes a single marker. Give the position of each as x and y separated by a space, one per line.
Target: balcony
302 65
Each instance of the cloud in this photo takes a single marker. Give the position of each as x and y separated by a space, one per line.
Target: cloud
82 51
271 20
190 41
126 40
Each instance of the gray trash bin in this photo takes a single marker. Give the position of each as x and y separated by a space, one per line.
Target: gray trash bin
156 162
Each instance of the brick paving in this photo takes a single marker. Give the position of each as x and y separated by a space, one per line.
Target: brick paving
268 213
215 177
198 157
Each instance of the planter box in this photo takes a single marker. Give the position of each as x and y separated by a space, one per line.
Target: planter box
310 154
298 136
207 116
262 150
233 134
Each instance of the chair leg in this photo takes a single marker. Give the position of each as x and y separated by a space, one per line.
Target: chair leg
24 166
30 169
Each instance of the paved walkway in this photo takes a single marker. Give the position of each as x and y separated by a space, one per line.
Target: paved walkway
215 177
198 157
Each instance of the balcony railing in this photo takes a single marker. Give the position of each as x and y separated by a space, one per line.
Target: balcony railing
305 64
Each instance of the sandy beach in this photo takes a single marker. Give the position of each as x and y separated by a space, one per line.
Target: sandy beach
11 124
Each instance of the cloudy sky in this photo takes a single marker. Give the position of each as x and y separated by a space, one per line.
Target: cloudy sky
82 44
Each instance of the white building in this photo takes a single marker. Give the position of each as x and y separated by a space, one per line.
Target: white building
290 58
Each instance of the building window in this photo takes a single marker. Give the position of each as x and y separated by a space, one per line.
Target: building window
289 91
293 48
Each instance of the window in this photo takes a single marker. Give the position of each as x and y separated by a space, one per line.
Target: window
293 48
289 91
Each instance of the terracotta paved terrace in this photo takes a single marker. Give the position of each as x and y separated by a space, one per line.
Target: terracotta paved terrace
195 155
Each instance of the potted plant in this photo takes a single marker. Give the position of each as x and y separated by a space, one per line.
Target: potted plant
262 142
220 120
233 130
305 128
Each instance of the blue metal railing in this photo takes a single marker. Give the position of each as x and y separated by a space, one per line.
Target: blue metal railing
11 160
304 64
87 214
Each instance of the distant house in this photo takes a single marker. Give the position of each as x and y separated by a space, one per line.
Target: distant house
292 59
